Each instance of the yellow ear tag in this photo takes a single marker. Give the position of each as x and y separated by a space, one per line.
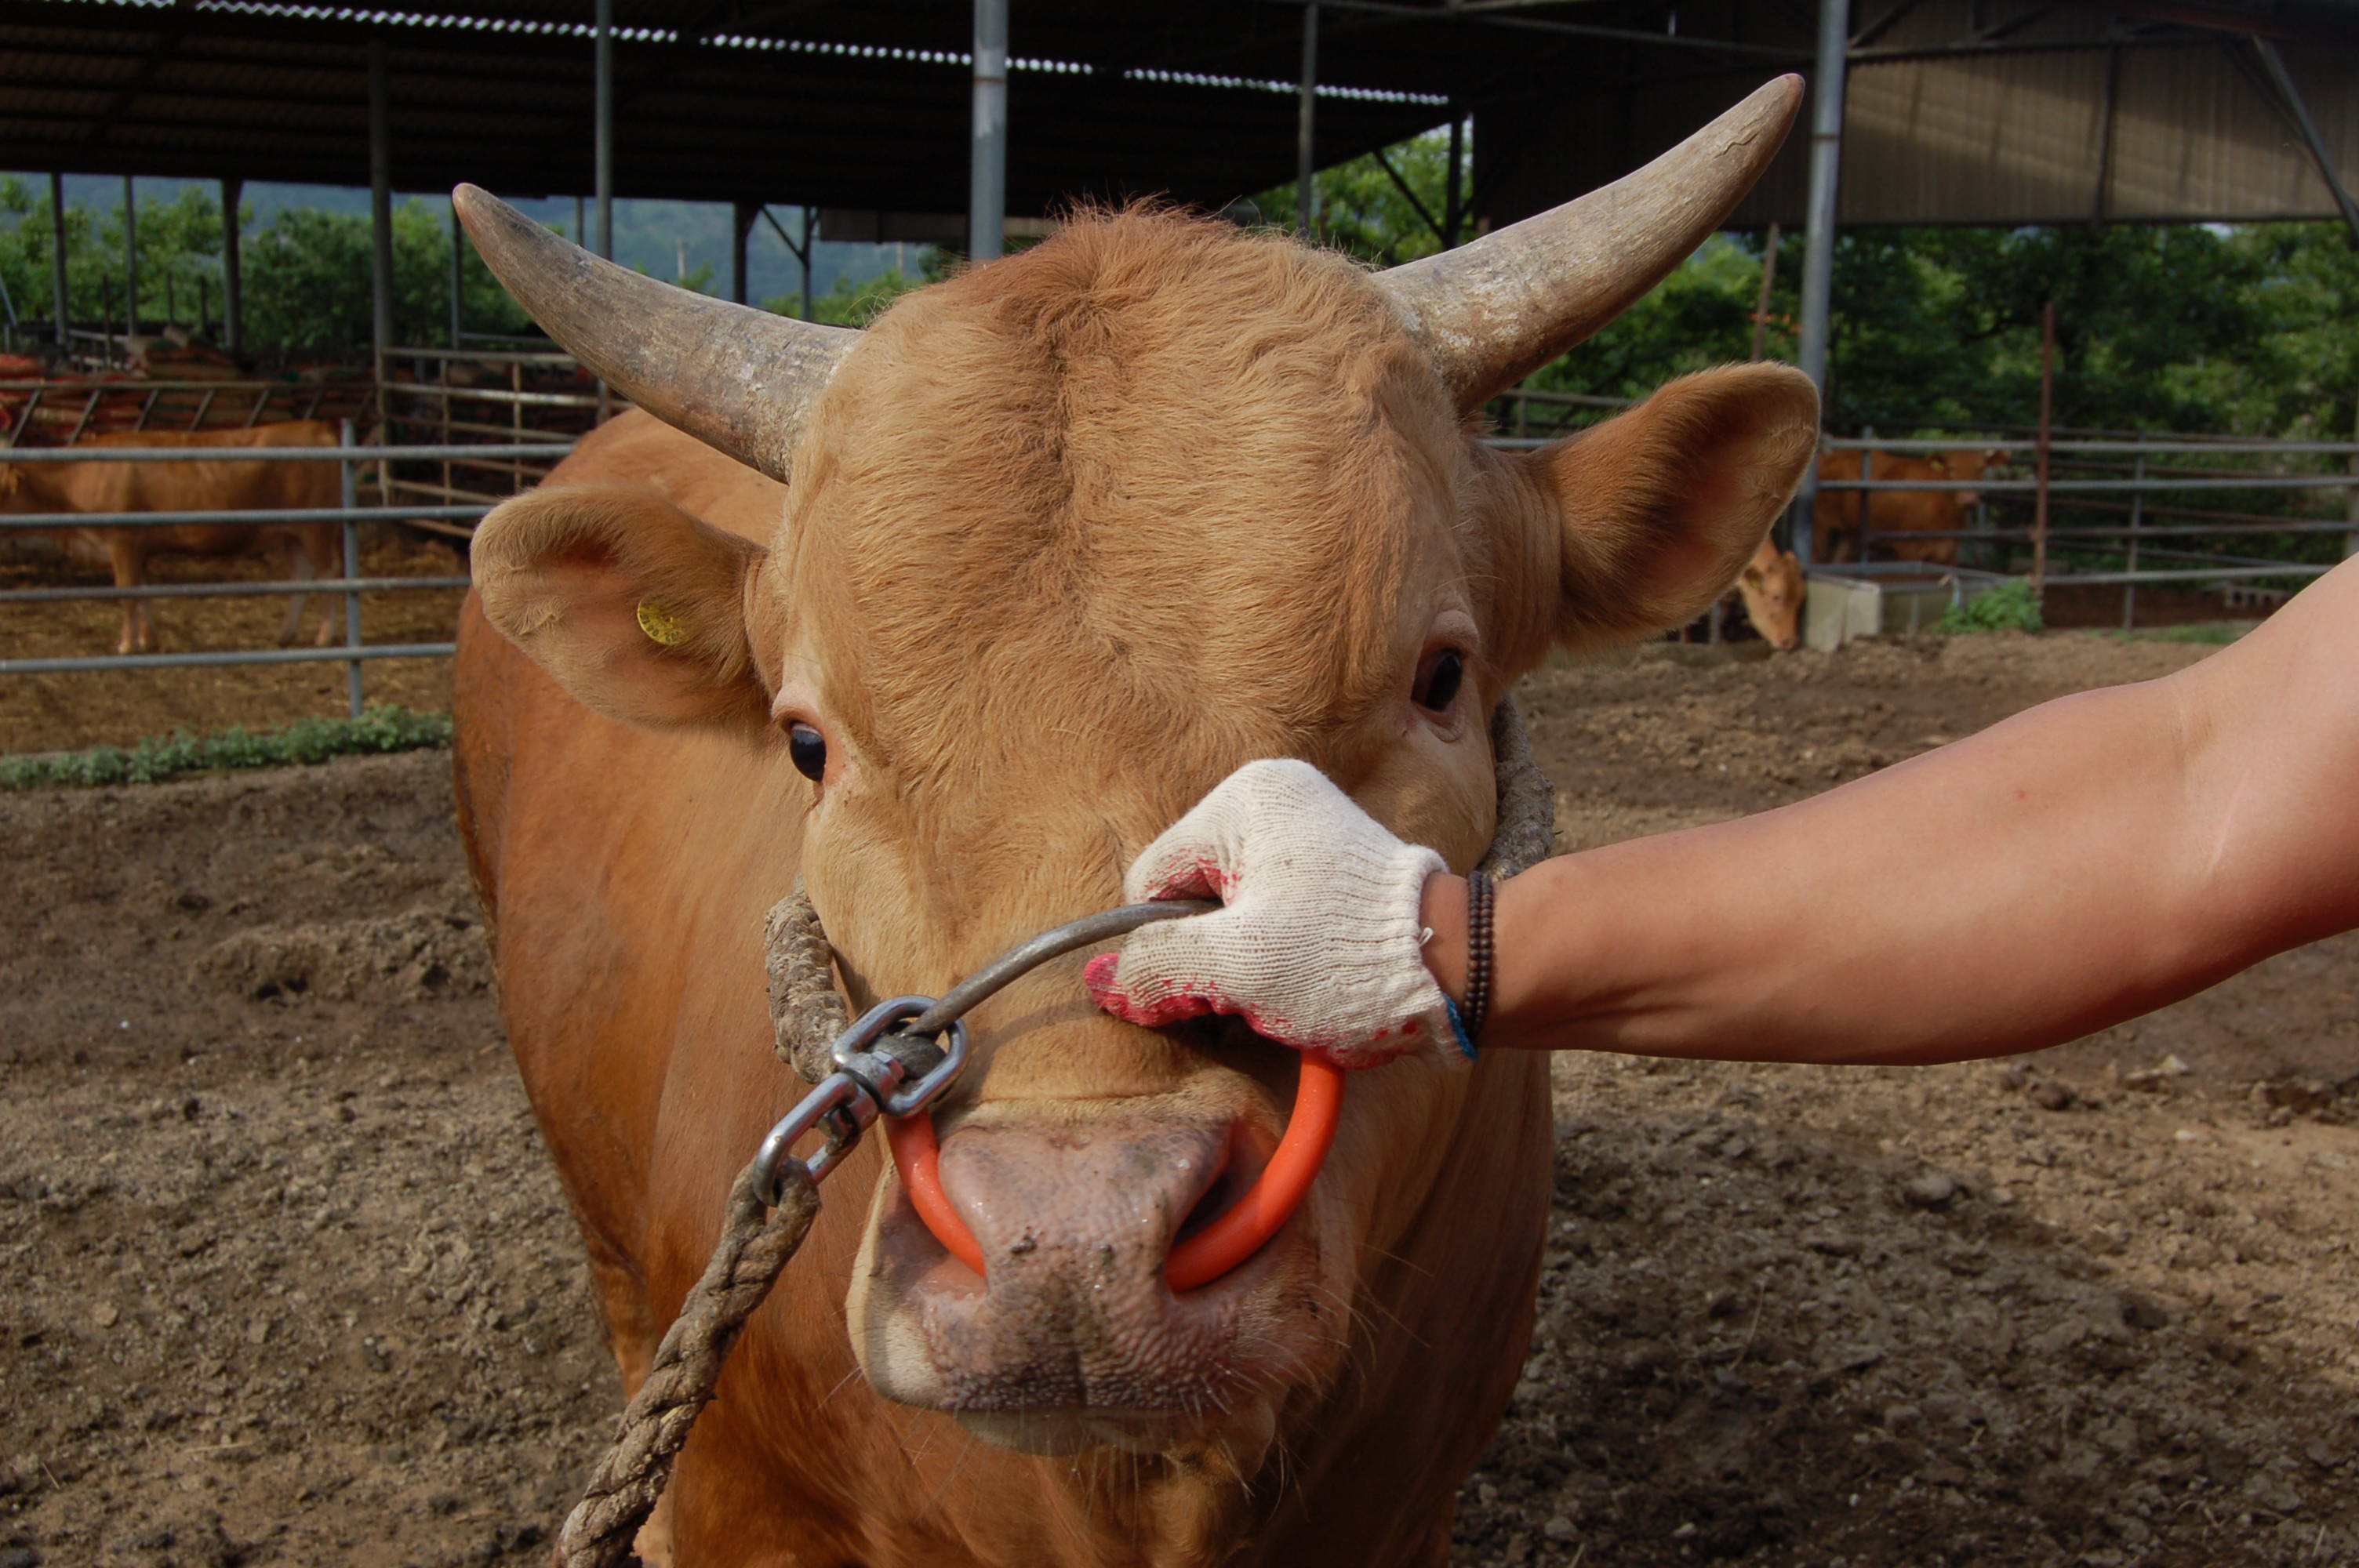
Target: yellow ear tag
661 625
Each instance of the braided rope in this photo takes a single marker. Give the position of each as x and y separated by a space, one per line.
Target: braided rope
806 1014
756 1243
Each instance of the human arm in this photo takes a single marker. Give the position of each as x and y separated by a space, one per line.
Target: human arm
2081 863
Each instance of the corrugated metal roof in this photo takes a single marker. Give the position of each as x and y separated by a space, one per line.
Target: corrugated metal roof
1983 112
2008 111
850 107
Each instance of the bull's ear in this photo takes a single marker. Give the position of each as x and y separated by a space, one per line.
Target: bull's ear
636 607
1661 507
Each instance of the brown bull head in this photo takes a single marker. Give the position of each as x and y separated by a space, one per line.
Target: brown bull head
1069 538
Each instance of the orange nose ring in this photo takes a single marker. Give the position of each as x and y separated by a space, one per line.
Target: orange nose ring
1230 1238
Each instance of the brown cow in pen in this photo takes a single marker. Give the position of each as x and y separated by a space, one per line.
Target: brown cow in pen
1771 590
946 620
1894 514
298 551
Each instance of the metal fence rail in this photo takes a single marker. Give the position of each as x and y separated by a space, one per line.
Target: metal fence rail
352 458
2132 471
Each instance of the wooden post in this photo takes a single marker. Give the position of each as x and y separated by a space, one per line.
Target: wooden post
2047 419
1768 280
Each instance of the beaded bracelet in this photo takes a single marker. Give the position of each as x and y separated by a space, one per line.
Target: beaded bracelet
1480 891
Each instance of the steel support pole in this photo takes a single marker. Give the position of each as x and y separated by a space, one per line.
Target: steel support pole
62 302
603 130
2043 452
233 197
1819 246
1454 202
804 257
1306 185
741 224
130 263
457 277
986 202
380 134
350 471
2351 501
2138 517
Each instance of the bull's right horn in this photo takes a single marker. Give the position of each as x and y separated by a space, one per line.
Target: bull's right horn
1495 310
737 379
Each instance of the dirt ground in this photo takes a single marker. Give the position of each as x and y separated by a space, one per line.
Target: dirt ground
287 1279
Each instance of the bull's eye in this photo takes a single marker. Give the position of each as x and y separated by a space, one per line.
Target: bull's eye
808 746
1439 676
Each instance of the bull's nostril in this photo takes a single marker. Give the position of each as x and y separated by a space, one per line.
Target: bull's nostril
1235 1170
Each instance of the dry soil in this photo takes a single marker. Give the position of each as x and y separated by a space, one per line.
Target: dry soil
284 1277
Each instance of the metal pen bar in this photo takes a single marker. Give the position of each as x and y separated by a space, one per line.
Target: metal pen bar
350 475
2226 574
40 521
2125 448
2190 531
443 389
246 656
497 356
282 454
2024 486
483 427
231 589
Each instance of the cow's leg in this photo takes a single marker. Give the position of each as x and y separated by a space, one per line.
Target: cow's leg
288 561
125 559
324 549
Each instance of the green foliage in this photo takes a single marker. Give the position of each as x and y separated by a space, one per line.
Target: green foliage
2251 330
306 272
2011 606
152 761
2209 633
856 302
1362 210
308 282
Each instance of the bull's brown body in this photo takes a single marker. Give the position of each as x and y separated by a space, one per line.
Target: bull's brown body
1068 539
1895 517
298 550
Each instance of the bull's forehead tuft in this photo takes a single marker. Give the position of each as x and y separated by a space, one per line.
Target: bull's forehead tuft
1152 473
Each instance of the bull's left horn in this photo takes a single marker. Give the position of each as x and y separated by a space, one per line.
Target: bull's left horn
1494 311
737 379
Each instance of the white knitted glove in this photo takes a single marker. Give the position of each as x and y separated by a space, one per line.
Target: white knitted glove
1318 945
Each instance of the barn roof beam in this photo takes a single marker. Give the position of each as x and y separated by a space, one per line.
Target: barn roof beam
1501 15
2273 65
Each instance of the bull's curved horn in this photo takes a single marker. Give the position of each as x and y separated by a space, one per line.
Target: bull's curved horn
737 379
1493 311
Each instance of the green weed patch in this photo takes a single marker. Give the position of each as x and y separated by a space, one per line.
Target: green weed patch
155 759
